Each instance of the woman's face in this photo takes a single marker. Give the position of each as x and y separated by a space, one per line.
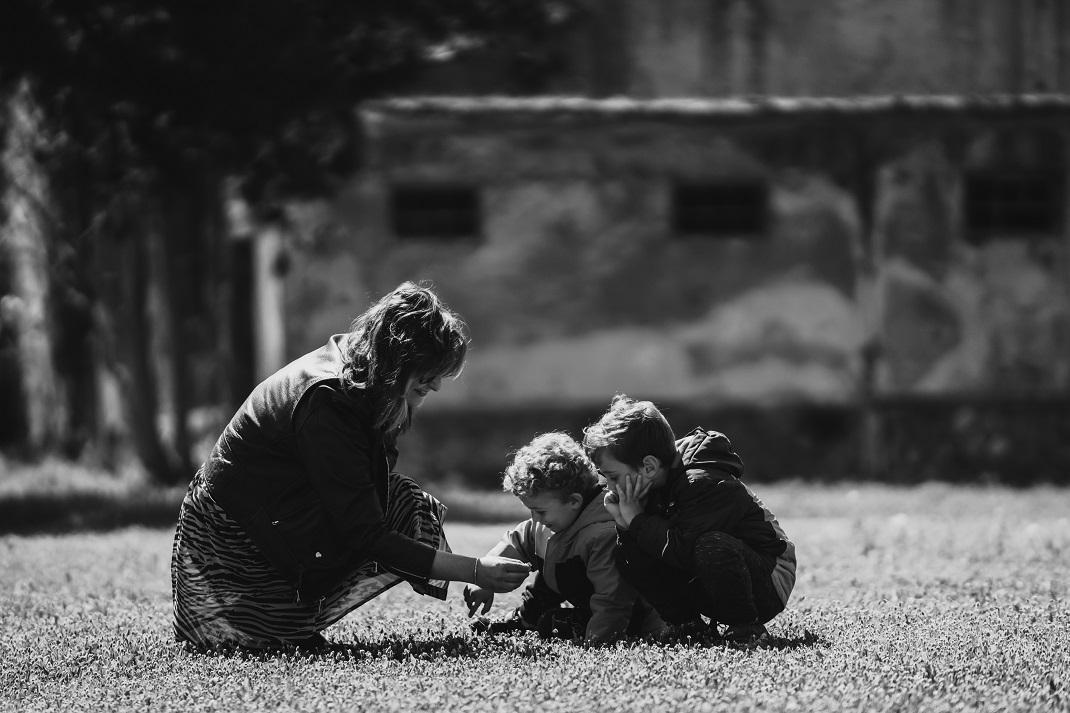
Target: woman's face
417 390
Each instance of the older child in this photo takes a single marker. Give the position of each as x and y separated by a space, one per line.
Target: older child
570 541
693 539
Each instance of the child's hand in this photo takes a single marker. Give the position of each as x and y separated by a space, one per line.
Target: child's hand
612 503
631 495
474 597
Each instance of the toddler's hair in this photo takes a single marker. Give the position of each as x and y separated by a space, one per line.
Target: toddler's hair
552 462
629 431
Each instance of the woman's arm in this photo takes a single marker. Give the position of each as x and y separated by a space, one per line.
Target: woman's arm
479 597
501 574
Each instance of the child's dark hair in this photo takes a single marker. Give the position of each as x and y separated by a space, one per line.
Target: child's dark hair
409 332
552 462
629 431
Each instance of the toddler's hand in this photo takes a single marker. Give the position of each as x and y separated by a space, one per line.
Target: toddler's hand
475 597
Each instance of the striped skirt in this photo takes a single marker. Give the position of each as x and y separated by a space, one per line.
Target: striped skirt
225 592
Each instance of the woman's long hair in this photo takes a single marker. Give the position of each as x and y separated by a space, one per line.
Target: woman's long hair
408 333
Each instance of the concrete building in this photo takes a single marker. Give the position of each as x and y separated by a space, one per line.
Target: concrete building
878 279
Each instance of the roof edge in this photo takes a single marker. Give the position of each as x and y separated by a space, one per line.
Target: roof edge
713 106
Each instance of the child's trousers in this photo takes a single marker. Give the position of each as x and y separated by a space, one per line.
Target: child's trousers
729 582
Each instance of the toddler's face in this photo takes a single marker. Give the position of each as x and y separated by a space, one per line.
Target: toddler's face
554 510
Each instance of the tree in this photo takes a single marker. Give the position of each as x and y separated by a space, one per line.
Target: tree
26 238
156 103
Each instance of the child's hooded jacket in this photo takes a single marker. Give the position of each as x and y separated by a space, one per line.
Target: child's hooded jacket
703 493
577 565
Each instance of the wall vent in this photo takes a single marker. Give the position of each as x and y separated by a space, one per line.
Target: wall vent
720 209
1013 203
435 212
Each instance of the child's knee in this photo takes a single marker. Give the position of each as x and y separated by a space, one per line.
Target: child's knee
716 549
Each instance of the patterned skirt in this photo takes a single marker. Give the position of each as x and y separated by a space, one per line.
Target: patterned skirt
226 593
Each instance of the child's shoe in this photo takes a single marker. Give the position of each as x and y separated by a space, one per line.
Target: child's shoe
485 625
563 623
693 629
746 634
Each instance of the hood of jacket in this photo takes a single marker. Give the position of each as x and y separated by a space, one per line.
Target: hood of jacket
593 512
708 450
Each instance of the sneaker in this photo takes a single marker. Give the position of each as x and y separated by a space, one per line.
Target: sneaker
563 623
746 634
693 629
486 625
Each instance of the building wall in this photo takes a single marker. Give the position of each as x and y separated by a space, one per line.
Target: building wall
822 48
578 287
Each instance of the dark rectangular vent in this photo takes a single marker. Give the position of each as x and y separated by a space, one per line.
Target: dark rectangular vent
435 212
1013 202
720 209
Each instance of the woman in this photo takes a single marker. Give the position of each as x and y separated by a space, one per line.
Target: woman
296 518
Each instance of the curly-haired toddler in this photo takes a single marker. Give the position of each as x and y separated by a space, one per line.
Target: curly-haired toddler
569 540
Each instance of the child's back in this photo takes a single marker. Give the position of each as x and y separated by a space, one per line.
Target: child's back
708 496
693 539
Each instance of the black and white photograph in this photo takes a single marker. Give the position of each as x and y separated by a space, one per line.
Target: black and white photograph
535 355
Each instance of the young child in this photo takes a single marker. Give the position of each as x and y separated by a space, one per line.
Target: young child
569 541
693 539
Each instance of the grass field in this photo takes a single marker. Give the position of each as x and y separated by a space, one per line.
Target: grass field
927 598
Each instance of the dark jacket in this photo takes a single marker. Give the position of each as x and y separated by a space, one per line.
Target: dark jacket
303 470
703 493
577 565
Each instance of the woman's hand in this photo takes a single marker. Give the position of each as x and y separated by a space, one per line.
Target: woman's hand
476 597
500 574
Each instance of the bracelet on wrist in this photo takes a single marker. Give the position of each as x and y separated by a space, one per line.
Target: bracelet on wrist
475 572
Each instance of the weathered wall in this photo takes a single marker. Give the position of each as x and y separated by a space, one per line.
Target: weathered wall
827 47
578 288
960 316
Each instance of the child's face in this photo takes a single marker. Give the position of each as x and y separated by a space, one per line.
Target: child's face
553 509
615 472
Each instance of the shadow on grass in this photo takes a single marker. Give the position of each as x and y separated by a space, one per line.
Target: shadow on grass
30 513
438 648
807 639
34 513
457 646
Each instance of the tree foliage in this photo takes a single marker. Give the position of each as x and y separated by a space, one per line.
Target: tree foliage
265 87
151 106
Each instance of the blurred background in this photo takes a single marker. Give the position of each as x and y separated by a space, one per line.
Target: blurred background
834 230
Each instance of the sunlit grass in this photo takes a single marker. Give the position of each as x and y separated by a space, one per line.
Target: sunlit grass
929 598
58 496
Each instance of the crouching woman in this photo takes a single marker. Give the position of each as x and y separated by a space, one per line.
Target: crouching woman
296 518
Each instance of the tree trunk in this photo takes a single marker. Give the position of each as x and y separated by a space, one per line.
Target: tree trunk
174 285
78 349
123 284
25 237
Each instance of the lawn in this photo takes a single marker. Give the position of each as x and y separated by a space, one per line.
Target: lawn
925 598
